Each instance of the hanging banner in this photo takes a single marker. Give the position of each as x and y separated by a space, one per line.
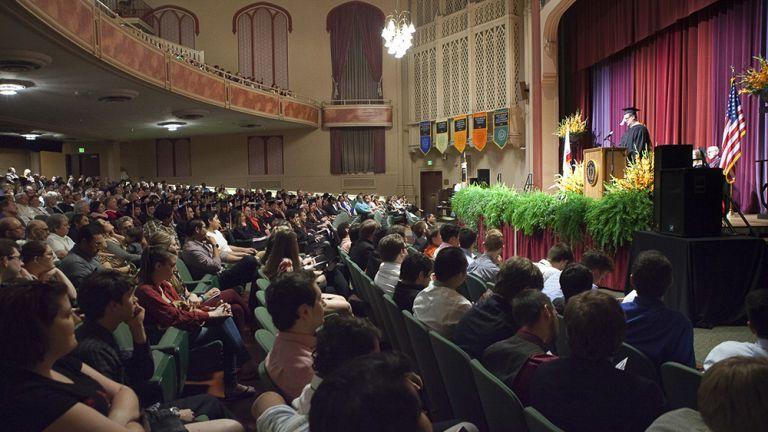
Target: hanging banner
501 127
460 133
425 137
479 130
441 135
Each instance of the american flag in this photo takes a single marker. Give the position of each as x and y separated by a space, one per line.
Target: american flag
735 129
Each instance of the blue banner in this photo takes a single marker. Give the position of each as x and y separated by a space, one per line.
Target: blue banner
501 127
425 137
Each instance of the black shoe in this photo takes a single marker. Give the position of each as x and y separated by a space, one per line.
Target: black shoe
239 392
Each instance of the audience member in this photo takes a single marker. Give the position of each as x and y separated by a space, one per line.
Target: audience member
342 232
467 239
162 220
8 208
439 305
38 259
229 253
37 230
392 251
79 220
559 256
10 262
363 248
486 265
415 272
58 240
599 263
11 228
515 360
574 279
419 230
82 259
491 319
660 333
585 392
296 305
757 320
449 235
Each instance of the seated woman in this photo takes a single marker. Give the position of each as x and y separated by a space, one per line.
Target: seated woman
43 387
205 324
38 260
241 313
98 210
241 228
433 242
116 243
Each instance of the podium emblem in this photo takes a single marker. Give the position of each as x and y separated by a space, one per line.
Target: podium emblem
591 172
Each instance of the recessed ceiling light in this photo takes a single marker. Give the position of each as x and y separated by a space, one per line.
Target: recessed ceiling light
31 136
10 89
172 126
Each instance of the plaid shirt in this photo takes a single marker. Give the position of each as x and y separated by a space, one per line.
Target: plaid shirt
97 347
155 225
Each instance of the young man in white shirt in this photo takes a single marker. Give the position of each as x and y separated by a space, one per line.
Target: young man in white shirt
439 305
467 239
229 253
757 320
392 251
559 256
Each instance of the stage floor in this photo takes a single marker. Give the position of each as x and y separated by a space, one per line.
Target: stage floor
759 225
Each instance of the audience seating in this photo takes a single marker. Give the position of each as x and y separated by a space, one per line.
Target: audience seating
198 287
123 337
175 342
637 362
681 385
262 284
454 365
503 410
538 423
262 275
425 357
396 318
475 287
164 385
262 298
561 342
265 339
265 319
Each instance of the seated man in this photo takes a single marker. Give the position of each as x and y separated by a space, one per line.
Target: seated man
757 321
490 319
162 221
449 233
37 230
339 340
486 265
295 302
559 256
515 360
585 392
202 256
82 260
467 239
107 300
415 272
363 248
10 261
660 333
599 263
393 252
439 305
229 253
12 229
574 280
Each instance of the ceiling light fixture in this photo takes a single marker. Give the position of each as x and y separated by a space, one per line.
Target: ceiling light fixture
398 32
11 89
172 126
30 136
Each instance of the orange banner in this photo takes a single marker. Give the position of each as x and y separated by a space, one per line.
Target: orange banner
460 133
479 130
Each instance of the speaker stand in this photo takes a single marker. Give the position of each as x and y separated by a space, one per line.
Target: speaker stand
728 224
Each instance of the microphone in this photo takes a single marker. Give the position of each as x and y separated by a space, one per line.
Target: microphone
610 134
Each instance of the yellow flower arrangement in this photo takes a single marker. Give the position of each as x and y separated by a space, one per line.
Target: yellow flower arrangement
755 80
574 122
638 175
574 182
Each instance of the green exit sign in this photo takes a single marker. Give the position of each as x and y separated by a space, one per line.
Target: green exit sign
81 149
429 163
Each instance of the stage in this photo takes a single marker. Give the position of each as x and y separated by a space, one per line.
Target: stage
760 226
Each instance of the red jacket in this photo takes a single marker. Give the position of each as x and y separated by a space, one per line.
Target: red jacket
163 314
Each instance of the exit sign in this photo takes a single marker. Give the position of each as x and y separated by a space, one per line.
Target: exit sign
81 149
429 163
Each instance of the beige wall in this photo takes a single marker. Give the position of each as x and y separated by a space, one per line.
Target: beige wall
53 164
19 159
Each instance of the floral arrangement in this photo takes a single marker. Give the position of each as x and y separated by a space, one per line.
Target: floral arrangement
754 80
574 183
573 123
638 175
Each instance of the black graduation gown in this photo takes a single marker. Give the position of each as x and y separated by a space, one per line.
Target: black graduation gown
636 140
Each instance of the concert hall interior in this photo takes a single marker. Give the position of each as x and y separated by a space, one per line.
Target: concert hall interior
239 215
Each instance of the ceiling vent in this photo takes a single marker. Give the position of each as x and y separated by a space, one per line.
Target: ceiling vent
191 114
117 96
13 61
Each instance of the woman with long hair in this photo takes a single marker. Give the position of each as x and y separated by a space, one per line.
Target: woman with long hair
284 245
433 242
165 308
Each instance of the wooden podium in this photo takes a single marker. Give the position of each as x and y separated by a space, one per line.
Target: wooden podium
600 165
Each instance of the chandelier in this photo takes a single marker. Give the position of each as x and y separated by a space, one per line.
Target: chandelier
398 33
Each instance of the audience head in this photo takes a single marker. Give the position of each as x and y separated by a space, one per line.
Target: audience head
284 244
368 229
92 239
342 231
419 229
450 234
196 230
651 274
295 302
164 213
80 220
596 325
107 294
392 248
354 233
516 274
341 339
560 255
494 242
575 279
36 323
434 237
37 230
11 228
599 263
467 238
451 267
372 393
157 265
416 268
160 238
8 207
532 309
757 312
134 235
37 257
397 229
58 224
733 395
10 260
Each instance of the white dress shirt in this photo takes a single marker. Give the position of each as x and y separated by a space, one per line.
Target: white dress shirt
59 243
440 308
547 270
730 349
221 242
302 403
387 276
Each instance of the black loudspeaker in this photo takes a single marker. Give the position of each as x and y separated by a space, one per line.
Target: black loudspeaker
690 201
668 156
473 181
484 176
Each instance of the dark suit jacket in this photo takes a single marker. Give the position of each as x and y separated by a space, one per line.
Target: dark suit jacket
360 252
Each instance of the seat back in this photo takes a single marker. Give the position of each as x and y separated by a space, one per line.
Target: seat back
637 362
265 319
163 385
176 343
475 287
537 422
184 273
454 365
398 325
380 311
440 407
262 284
262 298
681 385
503 410
265 339
123 337
561 342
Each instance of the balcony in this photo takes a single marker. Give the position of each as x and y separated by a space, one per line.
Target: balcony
357 113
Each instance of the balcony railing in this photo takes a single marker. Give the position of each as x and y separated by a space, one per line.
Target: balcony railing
130 9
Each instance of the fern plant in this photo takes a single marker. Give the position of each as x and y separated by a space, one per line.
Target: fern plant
612 220
467 204
569 218
494 202
533 212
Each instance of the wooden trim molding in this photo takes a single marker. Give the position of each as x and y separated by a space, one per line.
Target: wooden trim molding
335 116
74 19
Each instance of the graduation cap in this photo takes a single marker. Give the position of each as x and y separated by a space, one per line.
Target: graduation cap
631 110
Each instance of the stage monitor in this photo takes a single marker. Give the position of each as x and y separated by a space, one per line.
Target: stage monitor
690 202
667 156
484 176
